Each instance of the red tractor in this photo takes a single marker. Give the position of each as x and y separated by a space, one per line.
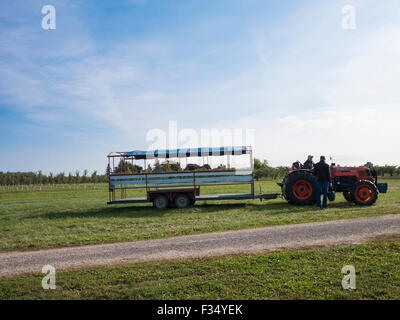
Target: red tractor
358 184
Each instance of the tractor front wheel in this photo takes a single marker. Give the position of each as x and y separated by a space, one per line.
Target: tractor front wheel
365 193
348 196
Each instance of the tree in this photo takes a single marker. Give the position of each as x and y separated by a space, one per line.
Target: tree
40 177
390 170
192 167
258 174
263 170
94 177
60 178
221 167
127 167
167 166
257 164
84 175
175 166
77 179
51 177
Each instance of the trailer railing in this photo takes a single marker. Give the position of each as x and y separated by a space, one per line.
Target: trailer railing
170 182
179 179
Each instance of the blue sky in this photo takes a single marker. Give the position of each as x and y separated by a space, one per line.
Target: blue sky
113 71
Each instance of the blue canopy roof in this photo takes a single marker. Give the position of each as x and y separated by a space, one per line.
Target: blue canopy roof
186 152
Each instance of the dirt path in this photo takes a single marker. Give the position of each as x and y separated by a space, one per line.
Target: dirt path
211 244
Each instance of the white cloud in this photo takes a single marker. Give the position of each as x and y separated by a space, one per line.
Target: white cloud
358 119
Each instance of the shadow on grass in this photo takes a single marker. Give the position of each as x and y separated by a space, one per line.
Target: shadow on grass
104 212
132 211
271 207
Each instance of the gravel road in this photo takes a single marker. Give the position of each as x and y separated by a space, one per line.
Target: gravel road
329 233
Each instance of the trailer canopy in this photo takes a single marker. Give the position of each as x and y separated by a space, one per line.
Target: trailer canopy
186 152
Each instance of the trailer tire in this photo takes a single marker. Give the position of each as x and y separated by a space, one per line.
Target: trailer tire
160 202
182 201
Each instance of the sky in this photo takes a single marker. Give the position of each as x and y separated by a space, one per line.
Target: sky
282 76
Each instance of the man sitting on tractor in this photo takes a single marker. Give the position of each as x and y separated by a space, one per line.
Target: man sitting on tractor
323 173
309 164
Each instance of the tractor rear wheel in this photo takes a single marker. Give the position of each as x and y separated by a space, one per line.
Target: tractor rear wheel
364 193
283 186
348 196
299 188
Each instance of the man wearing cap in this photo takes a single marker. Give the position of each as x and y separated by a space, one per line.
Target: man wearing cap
309 164
323 173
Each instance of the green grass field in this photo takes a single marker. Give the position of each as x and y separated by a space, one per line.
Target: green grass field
313 274
63 217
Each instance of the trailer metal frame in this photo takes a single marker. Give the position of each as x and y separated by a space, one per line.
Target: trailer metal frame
187 183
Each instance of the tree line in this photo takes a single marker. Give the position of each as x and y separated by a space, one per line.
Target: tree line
262 170
165 166
29 178
387 170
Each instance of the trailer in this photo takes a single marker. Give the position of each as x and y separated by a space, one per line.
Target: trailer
180 188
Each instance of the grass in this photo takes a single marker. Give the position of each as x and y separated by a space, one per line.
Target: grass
63 217
312 274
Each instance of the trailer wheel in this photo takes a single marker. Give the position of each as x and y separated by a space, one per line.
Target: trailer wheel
160 202
365 193
182 201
